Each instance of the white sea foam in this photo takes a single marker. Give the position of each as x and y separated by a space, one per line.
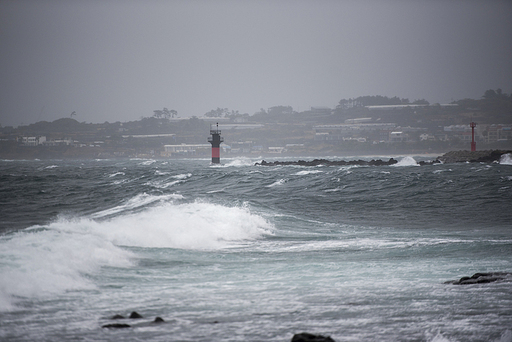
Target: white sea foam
506 159
216 191
347 168
148 162
340 188
183 176
406 161
60 257
188 226
136 202
440 171
506 336
165 184
439 338
120 173
276 183
307 172
41 262
240 162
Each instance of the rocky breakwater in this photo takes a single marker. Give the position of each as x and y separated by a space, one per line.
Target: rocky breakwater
325 162
487 156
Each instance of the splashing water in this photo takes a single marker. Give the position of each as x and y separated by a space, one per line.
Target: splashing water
406 161
506 159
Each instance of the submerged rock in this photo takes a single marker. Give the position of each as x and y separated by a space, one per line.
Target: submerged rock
482 278
306 337
116 326
135 315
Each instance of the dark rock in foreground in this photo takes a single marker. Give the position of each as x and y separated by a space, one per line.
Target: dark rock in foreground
134 314
482 278
305 337
116 326
317 162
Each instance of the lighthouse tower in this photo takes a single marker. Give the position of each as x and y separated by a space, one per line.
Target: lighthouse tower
215 140
473 143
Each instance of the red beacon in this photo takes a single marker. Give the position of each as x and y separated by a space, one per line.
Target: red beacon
473 143
215 140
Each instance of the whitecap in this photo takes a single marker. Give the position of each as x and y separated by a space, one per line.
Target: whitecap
239 162
48 261
138 201
277 183
183 176
307 172
195 225
148 162
117 174
440 171
336 189
52 260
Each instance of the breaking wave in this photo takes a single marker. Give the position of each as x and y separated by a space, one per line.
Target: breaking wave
61 256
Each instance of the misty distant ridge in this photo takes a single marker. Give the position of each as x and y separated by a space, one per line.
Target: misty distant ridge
367 124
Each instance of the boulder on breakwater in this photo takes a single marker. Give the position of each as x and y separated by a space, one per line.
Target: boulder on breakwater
133 315
306 337
482 278
116 326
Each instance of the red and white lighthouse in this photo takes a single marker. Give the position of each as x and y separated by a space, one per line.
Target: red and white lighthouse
473 143
215 140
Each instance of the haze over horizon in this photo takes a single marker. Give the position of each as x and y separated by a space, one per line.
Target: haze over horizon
120 60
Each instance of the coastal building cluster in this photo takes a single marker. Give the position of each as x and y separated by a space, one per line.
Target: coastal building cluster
402 128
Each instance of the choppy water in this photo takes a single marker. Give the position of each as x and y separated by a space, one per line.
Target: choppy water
238 252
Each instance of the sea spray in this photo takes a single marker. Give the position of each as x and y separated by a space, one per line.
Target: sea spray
506 159
406 161
49 260
198 225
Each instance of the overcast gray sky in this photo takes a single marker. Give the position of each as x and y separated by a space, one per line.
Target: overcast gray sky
118 60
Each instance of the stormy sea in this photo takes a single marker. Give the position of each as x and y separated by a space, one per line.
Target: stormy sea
240 252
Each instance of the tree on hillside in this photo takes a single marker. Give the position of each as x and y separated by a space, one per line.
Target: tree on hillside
165 113
217 113
377 100
280 110
495 94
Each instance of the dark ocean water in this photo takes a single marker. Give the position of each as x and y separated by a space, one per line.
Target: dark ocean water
237 252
